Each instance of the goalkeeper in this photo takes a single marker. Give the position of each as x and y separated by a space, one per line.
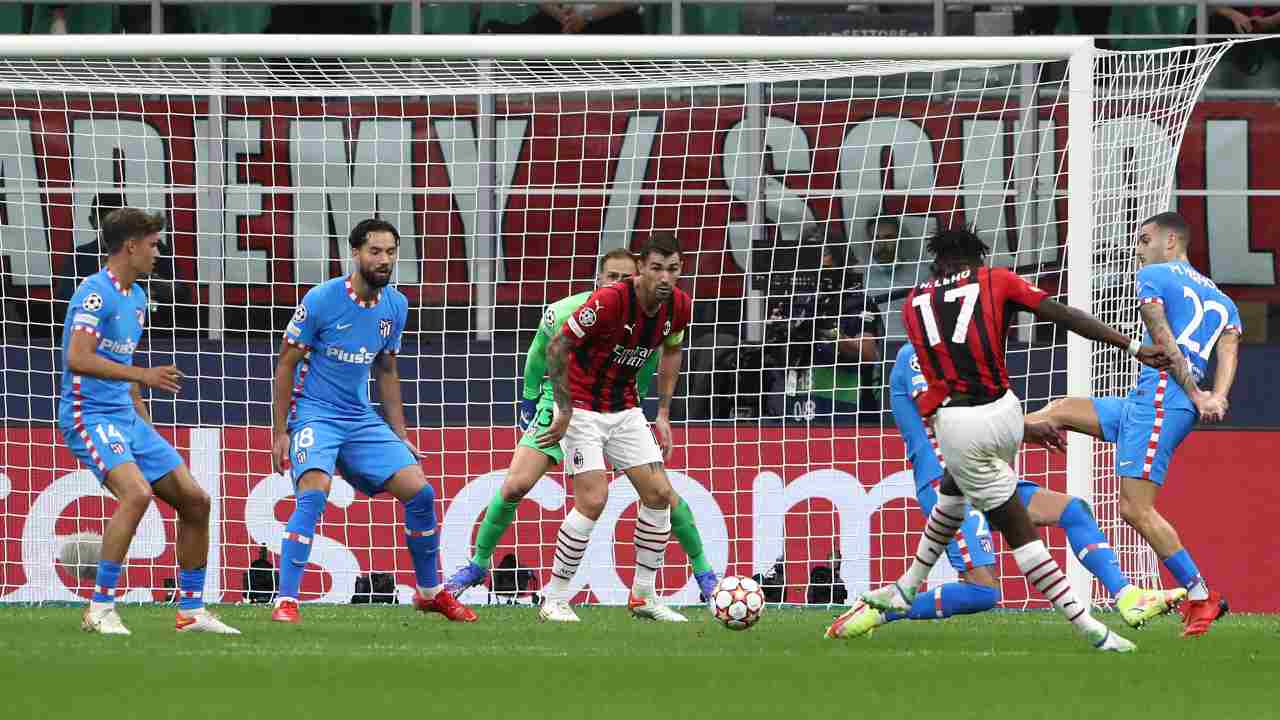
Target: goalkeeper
530 462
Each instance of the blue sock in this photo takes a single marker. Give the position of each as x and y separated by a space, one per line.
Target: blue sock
422 538
105 583
191 589
954 598
1090 545
296 546
1188 575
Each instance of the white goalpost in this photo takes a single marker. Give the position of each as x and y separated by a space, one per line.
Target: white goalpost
801 176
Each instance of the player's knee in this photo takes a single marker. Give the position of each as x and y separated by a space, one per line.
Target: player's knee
197 507
135 498
1078 510
590 503
984 577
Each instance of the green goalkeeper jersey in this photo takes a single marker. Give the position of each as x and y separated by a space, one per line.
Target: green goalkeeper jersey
536 383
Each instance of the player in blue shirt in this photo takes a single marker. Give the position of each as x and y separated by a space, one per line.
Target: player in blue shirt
322 419
971 552
1186 313
107 425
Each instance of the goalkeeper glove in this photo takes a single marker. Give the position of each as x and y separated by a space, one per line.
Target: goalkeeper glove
528 411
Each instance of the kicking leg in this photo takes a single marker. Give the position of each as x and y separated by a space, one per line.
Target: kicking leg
527 467
411 488
1075 414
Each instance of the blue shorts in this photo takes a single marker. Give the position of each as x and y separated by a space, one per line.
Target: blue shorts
1132 427
973 547
363 450
105 442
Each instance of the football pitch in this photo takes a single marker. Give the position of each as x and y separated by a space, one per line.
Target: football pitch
388 661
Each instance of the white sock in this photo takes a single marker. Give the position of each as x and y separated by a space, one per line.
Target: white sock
282 598
1198 590
1043 573
571 545
943 524
429 593
97 607
653 531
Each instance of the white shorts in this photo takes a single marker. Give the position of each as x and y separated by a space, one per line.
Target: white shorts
623 438
979 445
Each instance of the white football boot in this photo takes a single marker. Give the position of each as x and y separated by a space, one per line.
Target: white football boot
557 610
1107 641
650 609
201 620
103 620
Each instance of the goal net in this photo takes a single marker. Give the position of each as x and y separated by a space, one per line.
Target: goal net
801 176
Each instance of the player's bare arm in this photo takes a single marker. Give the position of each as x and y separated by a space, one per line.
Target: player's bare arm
1158 325
281 390
1228 350
83 359
668 373
1086 325
558 373
140 405
387 375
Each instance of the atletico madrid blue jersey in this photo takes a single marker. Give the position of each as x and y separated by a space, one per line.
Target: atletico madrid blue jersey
115 318
904 382
342 335
1198 313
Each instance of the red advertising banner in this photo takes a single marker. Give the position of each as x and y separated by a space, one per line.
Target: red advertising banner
757 495
295 175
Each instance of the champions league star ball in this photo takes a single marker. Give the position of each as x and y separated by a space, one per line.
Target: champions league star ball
737 602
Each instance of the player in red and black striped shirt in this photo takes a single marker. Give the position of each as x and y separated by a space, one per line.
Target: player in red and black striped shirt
592 366
957 323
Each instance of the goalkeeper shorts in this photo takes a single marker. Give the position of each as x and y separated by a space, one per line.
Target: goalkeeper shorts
542 419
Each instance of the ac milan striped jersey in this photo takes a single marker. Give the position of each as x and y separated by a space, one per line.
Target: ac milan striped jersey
114 318
612 338
958 326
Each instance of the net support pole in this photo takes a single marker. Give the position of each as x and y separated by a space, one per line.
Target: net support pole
754 120
1080 280
211 220
484 261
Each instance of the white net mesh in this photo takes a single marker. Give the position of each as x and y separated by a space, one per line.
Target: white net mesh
507 180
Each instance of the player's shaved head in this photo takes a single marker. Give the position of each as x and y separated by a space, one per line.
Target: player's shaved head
1163 238
1171 223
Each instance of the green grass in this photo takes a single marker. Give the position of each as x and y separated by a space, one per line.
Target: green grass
388 662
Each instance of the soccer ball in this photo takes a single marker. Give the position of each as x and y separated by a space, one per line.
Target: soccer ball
737 602
80 554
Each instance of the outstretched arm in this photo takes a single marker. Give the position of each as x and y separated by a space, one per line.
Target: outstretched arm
1086 325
